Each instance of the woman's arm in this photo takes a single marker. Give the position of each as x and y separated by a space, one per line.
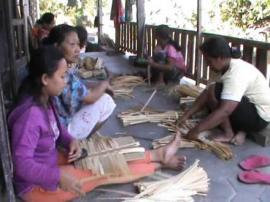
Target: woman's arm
25 139
96 92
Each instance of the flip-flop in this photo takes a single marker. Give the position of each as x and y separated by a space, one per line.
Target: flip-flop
254 177
255 161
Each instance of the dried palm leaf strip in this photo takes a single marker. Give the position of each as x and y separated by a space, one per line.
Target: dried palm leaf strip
132 117
188 90
108 156
182 187
222 151
123 85
127 81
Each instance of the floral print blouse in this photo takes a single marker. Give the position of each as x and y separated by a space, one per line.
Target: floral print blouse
71 99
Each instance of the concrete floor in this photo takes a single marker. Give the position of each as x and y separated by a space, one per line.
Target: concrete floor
224 185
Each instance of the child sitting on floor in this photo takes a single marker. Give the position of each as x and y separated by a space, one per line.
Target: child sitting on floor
43 174
167 63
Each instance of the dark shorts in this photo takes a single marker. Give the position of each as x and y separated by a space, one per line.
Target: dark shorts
245 117
172 75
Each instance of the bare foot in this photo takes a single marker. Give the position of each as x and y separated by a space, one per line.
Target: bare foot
222 137
176 162
239 138
167 155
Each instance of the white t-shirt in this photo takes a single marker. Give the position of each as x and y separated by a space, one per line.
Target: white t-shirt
243 79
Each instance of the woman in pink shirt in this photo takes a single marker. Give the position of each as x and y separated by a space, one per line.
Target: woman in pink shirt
167 63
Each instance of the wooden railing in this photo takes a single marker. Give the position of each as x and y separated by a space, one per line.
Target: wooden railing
252 51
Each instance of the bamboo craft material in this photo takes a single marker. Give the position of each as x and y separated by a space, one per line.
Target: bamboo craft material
123 85
188 90
222 151
179 188
149 100
132 117
91 67
149 75
108 156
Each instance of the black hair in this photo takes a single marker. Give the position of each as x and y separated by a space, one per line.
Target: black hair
44 60
82 34
216 47
163 32
58 34
46 18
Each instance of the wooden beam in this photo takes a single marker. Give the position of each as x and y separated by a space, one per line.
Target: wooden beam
141 25
198 42
5 157
100 20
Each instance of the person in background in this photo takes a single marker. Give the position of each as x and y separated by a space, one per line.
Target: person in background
239 101
167 63
82 110
41 172
85 45
82 34
43 27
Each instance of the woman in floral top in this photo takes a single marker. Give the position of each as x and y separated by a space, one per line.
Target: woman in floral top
81 109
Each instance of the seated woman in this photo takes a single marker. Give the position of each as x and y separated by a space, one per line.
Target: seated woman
82 110
167 64
40 172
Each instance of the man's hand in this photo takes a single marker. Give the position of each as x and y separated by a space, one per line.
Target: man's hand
192 134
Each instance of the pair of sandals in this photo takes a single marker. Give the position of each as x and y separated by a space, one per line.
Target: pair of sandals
251 175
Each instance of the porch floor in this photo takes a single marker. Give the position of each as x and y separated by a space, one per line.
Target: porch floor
224 186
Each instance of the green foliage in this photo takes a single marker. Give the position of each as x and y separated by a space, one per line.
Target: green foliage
80 12
245 13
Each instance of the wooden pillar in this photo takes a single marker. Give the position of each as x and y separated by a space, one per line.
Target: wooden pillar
198 61
141 25
26 13
5 157
100 20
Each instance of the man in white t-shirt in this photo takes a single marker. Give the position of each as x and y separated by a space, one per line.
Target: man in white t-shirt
239 101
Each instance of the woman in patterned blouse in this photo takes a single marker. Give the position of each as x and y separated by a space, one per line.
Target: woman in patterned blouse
81 109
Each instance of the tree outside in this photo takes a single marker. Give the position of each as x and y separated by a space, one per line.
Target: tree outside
239 18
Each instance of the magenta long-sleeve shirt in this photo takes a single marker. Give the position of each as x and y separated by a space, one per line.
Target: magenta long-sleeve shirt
33 145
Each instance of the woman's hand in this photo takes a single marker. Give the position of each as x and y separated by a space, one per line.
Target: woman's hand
74 151
70 183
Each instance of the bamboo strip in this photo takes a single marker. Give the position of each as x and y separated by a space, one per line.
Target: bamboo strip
149 100
107 156
123 85
132 117
182 187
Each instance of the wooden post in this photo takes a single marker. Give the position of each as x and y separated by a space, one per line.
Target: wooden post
26 34
100 20
140 30
198 42
5 157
